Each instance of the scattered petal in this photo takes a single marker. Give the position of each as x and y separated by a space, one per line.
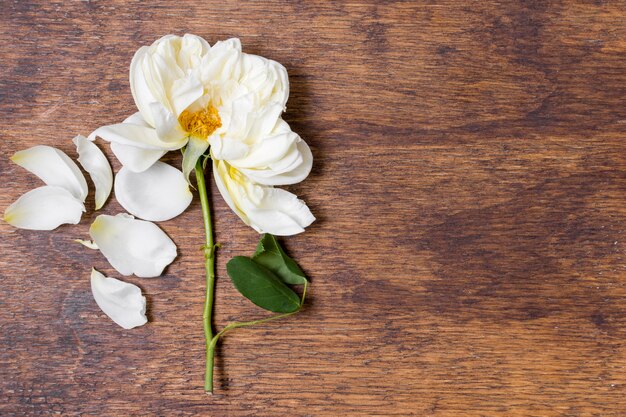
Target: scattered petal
96 164
119 300
133 246
54 167
44 208
160 193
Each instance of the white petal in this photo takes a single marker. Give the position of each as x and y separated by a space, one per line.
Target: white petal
245 127
138 86
168 73
96 164
291 169
222 61
192 48
133 246
137 119
157 194
54 168
119 300
268 150
280 213
238 114
262 122
166 123
267 79
194 150
227 148
44 208
265 209
184 92
136 159
136 135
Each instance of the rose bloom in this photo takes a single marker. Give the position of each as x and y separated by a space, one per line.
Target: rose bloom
194 96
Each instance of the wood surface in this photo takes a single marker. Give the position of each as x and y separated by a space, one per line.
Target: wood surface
469 184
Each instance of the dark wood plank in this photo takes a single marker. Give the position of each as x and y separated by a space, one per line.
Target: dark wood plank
470 189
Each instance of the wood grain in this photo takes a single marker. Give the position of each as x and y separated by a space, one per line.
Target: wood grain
470 189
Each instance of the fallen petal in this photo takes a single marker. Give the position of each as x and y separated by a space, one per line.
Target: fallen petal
96 164
119 300
53 167
133 246
157 194
44 208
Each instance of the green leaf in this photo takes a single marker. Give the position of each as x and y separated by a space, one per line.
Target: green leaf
271 255
259 285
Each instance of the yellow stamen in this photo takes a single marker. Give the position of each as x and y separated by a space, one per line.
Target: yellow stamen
202 123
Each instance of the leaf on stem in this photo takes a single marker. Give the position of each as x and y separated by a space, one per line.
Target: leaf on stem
271 255
261 286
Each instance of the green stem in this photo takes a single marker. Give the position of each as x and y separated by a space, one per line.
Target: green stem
209 260
209 256
236 325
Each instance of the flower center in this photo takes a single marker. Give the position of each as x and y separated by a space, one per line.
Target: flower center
202 123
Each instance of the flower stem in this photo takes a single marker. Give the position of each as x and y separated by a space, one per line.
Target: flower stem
236 325
210 248
209 260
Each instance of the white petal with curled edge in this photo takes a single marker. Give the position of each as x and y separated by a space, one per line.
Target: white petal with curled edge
119 300
132 157
136 159
268 150
265 209
133 246
184 92
166 124
96 164
279 212
44 208
160 193
222 61
139 87
54 167
289 170
136 135
267 79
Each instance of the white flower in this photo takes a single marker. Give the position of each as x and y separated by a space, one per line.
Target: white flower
192 95
132 246
59 202
119 300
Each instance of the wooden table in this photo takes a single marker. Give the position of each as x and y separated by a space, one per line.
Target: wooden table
470 189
